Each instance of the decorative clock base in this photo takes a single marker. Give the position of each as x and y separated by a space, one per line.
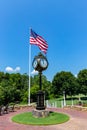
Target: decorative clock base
40 100
40 113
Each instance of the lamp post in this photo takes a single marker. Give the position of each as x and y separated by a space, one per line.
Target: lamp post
40 63
64 98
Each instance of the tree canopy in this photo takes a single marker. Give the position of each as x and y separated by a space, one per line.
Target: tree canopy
64 82
82 79
14 87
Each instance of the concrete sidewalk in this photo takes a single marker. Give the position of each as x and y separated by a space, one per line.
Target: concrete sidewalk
78 121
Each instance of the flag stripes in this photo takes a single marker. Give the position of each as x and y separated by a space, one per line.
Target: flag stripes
36 39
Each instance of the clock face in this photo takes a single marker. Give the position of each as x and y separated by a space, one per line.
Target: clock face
35 64
43 63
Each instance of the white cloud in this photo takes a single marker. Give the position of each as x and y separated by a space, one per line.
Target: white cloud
34 72
11 70
17 69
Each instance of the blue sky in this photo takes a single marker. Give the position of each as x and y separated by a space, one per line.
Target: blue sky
62 23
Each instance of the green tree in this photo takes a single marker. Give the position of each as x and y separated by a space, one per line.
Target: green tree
1 95
82 80
64 81
35 86
46 87
14 87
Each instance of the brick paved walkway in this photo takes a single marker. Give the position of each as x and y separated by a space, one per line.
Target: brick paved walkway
78 121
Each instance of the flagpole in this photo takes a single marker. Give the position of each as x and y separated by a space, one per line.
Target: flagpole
29 74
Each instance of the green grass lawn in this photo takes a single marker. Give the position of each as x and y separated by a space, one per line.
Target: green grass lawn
28 119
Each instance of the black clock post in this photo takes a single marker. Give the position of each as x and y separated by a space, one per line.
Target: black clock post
40 63
40 95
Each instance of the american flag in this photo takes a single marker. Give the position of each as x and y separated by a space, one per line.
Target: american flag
36 39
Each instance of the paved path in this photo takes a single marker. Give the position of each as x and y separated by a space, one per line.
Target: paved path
78 121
